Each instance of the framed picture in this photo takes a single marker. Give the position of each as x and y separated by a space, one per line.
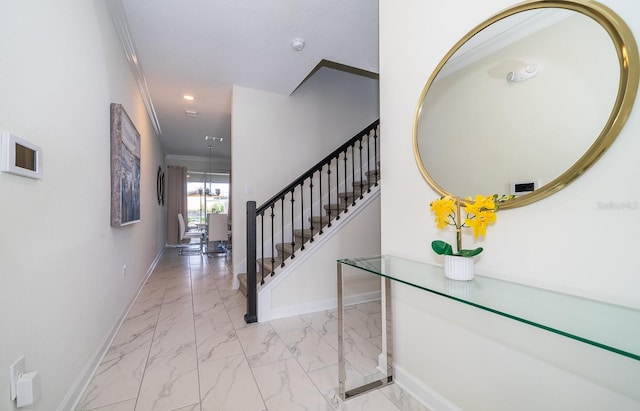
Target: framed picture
125 169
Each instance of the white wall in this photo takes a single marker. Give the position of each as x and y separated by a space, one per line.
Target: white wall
276 138
61 262
567 242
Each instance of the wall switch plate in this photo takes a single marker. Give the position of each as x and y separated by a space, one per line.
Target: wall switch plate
16 369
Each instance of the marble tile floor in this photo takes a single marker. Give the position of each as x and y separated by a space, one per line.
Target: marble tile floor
184 346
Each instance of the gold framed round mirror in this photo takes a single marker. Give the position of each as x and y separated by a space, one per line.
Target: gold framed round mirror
527 101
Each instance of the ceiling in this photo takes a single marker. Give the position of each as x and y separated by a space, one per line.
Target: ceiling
205 47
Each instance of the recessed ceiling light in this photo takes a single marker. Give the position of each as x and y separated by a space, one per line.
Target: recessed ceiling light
188 97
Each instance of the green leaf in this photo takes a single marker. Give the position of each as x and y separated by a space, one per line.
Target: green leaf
470 253
442 248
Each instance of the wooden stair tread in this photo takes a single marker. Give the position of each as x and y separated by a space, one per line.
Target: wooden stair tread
286 250
321 219
269 265
306 232
372 174
334 207
346 194
363 183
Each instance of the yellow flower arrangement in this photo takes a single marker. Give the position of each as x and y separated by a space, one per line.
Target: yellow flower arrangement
480 213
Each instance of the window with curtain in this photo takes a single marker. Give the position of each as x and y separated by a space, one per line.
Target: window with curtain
206 193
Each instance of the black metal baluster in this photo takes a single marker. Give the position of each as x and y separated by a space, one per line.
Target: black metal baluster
273 240
353 174
293 236
361 169
368 163
320 186
338 186
310 207
346 198
375 150
329 193
301 215
262 246
282 227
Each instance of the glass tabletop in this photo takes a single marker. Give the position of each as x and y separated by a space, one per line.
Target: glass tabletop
608 326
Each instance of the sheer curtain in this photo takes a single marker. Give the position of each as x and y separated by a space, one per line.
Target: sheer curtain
176 201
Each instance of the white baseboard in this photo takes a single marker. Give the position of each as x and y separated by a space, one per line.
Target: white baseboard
267 313
433 400
72 399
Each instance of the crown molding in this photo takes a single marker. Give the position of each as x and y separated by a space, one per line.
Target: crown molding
185 158
500 35
119 18
340 67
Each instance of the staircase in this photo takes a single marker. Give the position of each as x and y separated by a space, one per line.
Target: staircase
268 267
290 222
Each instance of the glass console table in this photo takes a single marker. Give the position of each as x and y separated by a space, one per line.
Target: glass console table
610 327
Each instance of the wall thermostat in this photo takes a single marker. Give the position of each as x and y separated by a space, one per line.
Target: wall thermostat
20 157
523 187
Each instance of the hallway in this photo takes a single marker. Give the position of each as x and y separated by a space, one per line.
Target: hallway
184 346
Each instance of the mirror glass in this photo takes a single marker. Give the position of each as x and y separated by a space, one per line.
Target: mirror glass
522 105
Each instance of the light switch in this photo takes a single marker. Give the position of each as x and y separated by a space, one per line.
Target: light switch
17 368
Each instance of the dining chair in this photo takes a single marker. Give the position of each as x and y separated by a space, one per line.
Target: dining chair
188 236
217 233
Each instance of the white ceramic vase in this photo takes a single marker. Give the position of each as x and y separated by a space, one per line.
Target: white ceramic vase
458 268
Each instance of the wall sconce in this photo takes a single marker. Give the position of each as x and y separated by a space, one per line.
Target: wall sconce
522 74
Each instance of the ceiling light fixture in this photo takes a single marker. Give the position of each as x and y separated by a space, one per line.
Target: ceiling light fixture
213 138
191 113
188 97
297 44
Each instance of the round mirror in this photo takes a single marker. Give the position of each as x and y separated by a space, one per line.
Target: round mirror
527 101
